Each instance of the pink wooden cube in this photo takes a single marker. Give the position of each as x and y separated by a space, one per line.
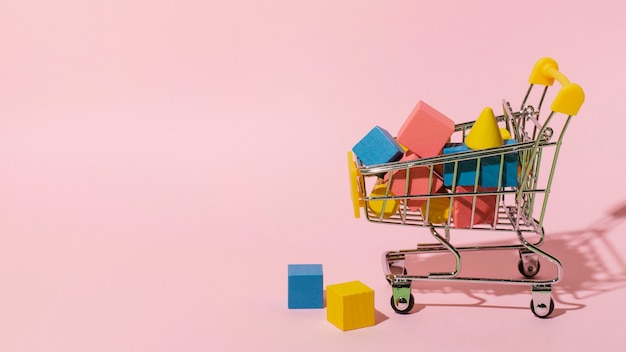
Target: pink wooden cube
462 207
418 183
425 131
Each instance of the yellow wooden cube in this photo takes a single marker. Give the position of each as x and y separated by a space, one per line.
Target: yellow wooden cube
350 305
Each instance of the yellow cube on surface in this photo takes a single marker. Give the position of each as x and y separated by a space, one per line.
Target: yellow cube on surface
350 305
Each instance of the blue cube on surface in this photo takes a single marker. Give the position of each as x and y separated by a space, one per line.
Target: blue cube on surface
306 286
490 169
378 147
466 169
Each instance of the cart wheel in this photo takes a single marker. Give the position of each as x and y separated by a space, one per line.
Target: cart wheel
403 307
528 271
542 311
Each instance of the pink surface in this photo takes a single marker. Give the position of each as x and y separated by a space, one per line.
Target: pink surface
163 162
425 131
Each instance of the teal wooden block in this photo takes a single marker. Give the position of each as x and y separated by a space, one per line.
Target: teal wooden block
490 169
378 147
306 286
466 169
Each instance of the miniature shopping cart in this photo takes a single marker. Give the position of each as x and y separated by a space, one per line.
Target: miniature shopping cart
519 208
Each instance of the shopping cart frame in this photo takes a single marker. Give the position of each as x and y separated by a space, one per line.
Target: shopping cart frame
520 209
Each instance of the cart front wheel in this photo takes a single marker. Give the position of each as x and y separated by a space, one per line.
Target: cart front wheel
542 310
403 306
528 270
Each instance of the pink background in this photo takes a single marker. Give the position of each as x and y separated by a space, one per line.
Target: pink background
163 162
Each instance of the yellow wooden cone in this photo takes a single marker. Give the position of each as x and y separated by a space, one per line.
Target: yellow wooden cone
485 133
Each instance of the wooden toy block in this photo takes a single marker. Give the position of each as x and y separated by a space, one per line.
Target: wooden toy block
484 210
378 147
350 305
306 287
418 183
386 207
505 134
425 131
488 172
490 169
437 211
465 170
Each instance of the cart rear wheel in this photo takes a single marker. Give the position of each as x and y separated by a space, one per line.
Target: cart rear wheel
530 270
542 311
403 306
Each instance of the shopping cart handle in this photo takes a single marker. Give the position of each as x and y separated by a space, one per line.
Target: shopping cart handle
571 96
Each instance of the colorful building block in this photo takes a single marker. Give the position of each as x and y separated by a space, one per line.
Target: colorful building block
505 134
484 208
490 169
306 286
378 147
485 132
425 131
385 207
418 179
465 170
437 211
488 172
350 305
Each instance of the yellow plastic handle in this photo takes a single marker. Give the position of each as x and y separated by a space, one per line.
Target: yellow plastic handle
357 201
571 96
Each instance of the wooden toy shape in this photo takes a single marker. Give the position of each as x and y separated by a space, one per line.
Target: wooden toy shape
378 147
437 211
465 170
350 305
488 172
384 207
306 286
505 134
490 169
425 131
418 183
485 132
484 210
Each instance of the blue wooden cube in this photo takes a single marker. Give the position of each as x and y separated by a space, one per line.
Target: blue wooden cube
490 169
466 169
306 286
378 147
488 172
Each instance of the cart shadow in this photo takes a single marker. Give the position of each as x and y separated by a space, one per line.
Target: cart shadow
591 266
